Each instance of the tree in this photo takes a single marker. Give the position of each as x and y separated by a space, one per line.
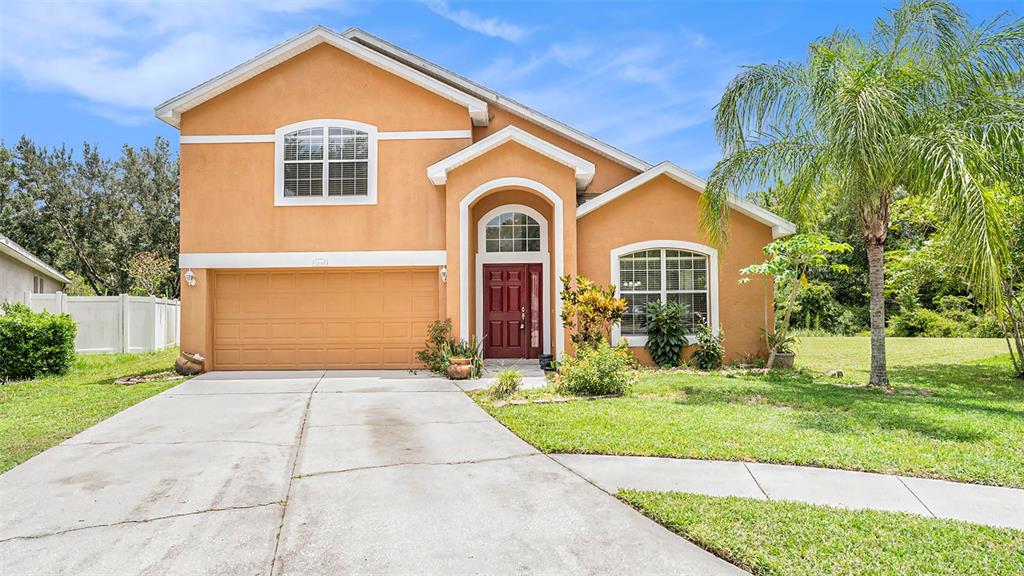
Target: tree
919 107
148 271
789 261
88 215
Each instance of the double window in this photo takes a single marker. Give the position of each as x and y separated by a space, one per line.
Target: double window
668 275
327 162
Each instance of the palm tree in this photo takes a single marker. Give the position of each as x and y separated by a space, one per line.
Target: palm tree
918 107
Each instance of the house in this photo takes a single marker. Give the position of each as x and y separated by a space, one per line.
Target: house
338 194
21 272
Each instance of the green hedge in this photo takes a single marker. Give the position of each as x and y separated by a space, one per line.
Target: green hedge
34 343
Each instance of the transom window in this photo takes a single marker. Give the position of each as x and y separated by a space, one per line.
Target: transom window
667 275
326 162
512 232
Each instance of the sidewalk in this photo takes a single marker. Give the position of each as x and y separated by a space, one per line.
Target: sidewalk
992 505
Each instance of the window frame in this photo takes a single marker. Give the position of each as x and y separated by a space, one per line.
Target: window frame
324 199
531 222
712 280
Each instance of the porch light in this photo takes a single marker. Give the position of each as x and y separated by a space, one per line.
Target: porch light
190 277
444 274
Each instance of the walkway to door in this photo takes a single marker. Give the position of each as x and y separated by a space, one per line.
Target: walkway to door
318 473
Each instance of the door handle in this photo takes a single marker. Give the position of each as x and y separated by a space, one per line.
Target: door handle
522 318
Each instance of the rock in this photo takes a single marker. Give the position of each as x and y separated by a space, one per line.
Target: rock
834 373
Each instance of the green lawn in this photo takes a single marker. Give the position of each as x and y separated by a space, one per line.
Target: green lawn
959 421
37 414
781 538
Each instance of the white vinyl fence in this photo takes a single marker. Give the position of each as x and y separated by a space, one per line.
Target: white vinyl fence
115 323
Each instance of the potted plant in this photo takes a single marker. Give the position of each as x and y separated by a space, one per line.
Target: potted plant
783 345
459 368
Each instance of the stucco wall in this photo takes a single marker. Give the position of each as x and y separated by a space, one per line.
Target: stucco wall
664 209
16 279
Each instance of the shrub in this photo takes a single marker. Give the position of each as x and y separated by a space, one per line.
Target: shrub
589 310
666 332
34 343
507 384
710 354
440 346
927 323
599 370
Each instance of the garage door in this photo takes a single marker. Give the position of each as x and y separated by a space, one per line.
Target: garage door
332 318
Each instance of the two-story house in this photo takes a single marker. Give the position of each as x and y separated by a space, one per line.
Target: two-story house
338 194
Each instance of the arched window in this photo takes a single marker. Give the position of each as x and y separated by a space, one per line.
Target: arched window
668 275
512 232
327 162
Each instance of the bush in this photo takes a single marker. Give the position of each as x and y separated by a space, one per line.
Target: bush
711 353
34 343
508 383
927 323
589 310
666 332
440 346
599 370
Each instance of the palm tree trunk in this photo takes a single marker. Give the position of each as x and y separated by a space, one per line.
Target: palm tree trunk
876 284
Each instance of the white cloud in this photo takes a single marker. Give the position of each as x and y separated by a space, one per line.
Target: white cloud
123 58
487 26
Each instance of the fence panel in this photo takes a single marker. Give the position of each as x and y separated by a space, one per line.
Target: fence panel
115 323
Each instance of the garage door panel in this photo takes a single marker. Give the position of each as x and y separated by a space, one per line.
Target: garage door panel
333 318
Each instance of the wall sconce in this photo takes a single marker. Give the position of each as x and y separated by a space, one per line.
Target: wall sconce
444 274
190 277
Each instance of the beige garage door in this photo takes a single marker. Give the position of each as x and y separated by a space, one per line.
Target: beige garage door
333 318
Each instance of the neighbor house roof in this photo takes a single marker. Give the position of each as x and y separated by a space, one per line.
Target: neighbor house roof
12 249
780 226
438 172
171 110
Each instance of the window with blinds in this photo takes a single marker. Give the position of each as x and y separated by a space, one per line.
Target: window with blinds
667 275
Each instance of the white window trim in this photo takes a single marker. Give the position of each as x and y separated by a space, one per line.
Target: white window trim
543 258
371 167
465 203
708 251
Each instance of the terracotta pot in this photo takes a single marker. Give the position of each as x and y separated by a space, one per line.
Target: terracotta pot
459 368
784 360
190 364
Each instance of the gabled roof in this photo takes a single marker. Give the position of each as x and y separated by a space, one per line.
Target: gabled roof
12 249
171 110
497 99
780 226
438 172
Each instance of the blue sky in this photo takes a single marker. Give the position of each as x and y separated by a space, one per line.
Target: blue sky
641 76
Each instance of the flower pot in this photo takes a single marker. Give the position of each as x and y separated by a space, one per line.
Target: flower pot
545 362
784 359
459 368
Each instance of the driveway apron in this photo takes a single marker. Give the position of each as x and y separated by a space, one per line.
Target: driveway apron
318 473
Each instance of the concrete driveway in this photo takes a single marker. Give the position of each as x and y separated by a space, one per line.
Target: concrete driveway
318 473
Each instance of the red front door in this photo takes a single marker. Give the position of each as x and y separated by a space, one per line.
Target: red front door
513 305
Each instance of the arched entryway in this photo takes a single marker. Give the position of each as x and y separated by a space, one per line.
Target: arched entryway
513 299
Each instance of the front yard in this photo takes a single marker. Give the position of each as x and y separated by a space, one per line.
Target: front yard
803 540
37 414
956 413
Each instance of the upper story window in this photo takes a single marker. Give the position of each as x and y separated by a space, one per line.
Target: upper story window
513 232
666 275
326 162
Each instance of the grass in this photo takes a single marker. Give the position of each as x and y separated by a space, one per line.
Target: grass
37 414
781 538
951 415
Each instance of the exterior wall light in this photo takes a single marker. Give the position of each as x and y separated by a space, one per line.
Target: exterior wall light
190 277
444 274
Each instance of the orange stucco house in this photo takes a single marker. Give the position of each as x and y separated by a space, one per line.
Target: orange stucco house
338 194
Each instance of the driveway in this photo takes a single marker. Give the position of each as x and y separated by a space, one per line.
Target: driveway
318 473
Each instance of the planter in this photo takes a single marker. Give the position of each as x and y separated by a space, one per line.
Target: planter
459 368
784 360
545 362
190 364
